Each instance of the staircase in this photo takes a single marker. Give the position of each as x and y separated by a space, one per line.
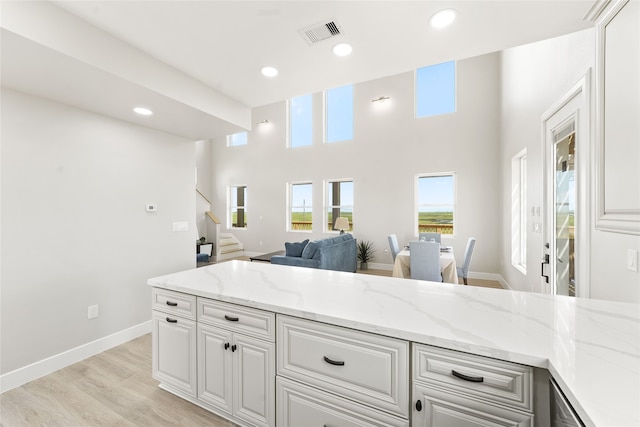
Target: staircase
226 245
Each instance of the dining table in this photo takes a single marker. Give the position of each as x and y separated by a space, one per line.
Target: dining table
402 265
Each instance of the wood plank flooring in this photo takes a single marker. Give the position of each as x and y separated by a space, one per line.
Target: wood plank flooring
113 388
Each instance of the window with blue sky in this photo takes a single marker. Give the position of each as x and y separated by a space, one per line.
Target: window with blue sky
236 139
339 202
301 121
339 114
436 195
300 206
436 89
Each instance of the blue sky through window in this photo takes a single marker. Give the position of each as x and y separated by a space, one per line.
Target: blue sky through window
239 138
301 197
436 89
301 119
340 113
436 193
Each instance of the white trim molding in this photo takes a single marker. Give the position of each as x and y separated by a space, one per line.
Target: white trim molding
31 372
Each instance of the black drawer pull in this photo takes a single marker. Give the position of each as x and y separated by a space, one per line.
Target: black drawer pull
226 346
419 405
333 362
172 304
234 347
170 320
467 377
230 319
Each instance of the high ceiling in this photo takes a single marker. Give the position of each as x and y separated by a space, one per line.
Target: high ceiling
197 63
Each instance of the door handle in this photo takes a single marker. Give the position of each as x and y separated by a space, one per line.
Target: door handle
544 261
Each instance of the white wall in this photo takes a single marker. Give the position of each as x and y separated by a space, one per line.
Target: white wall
389 148
534 77
74 227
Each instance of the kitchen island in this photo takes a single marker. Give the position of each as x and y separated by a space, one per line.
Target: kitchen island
590 347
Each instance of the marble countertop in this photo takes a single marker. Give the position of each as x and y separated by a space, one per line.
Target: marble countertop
591 347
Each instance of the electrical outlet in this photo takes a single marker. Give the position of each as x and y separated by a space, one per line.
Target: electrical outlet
92 311
632 260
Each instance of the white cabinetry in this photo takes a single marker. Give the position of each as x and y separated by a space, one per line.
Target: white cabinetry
236 362
454 388
367 373
174 340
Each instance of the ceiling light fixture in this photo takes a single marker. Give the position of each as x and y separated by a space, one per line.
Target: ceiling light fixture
269 71
342 49
381 99
443 18
143 111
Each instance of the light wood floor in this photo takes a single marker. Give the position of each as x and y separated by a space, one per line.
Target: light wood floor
113 388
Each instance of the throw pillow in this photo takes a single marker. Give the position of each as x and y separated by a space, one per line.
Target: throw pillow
295 249
310 250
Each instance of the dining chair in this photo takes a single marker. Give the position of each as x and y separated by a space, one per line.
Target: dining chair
425 261
393 245
428 236
464 269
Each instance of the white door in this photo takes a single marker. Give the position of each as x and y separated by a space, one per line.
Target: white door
565 268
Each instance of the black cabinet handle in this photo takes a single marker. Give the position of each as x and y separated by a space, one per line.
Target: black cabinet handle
419 405
170 320
467 377
234 347
230 319
172 304
226 346
333 362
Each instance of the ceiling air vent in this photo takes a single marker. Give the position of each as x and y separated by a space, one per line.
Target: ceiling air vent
320 31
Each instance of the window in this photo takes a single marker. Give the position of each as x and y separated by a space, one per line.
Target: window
301 121
339 114
436 196
436 89
339 202
236 139
238 206
519 211
300 207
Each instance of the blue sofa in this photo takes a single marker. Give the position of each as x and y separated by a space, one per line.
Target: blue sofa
333 253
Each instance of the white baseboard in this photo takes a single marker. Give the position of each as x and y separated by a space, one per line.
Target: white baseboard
28 373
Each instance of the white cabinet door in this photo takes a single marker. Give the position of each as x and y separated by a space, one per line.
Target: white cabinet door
254 380
215 367
174 352
433 407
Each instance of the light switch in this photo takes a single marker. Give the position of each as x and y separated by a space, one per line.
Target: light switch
181 226
151 207
632 260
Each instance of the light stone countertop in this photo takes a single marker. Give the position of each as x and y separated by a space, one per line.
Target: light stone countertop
591 347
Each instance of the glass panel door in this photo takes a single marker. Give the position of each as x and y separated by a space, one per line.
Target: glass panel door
565 208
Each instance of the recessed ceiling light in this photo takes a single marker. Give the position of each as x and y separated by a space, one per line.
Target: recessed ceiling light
342 49
269 71
143 111
443 18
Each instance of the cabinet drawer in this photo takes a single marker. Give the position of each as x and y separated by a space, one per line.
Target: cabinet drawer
434 407
175 303
366 367
490 379
237 318
299 405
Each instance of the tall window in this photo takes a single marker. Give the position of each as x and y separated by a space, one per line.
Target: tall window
339 202
300 206
519 211
436 195
436 89
301 121
238 206
236 139
339 114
